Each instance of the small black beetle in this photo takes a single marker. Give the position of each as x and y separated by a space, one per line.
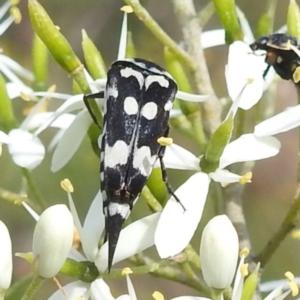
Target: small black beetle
281 55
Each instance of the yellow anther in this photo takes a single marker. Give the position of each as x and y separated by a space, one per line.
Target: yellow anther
244 270
14 2
126 271
158 296
293 285
67 185
296 75
165 141
244 252
296 234
127 8
250 80
15 12
24 96
246 178
289 276
52 88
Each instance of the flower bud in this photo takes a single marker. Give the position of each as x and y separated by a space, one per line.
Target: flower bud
5 257
52 240
219 252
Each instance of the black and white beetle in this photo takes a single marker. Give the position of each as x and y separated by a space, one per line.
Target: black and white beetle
139 96
280 54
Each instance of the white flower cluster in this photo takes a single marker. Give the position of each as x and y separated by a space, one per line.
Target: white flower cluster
170 230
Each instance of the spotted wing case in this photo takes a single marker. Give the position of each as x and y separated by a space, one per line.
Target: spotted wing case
138 98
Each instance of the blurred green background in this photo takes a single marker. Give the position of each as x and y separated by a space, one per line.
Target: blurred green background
274 180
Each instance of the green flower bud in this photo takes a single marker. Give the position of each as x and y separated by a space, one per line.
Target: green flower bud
7 118
130 48
56 43
52 240
93 58
216 145
226 11
40 63
219 250
250 285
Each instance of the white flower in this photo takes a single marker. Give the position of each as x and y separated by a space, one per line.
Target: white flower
176 227
9 67
139 233
5 258
244 74
27 150
219 251
52 240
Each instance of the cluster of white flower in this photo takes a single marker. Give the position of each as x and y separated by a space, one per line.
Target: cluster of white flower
170 230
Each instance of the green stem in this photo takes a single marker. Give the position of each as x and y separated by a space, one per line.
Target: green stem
173 274
151 200
36 283
290 222
14 290
33 189
13 198
2 294
206 13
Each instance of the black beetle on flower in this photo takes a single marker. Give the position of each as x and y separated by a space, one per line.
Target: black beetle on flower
282 53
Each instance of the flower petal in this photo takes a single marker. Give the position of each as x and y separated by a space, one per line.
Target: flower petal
71 291
73 103
4 139
123 38
224 176
93 228
63 121
141 236
14 89
249 147
243 74
191 97
176 227
282 122
52 240
16 68
177 157
130 288
219 250
212 38
6 257
100 290
27 150
71 140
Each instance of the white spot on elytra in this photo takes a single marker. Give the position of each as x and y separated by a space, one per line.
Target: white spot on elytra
101 176
143 161
117 154
168 106
162 81
119 209
127 72
131 106
149 110
112 91
104 196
